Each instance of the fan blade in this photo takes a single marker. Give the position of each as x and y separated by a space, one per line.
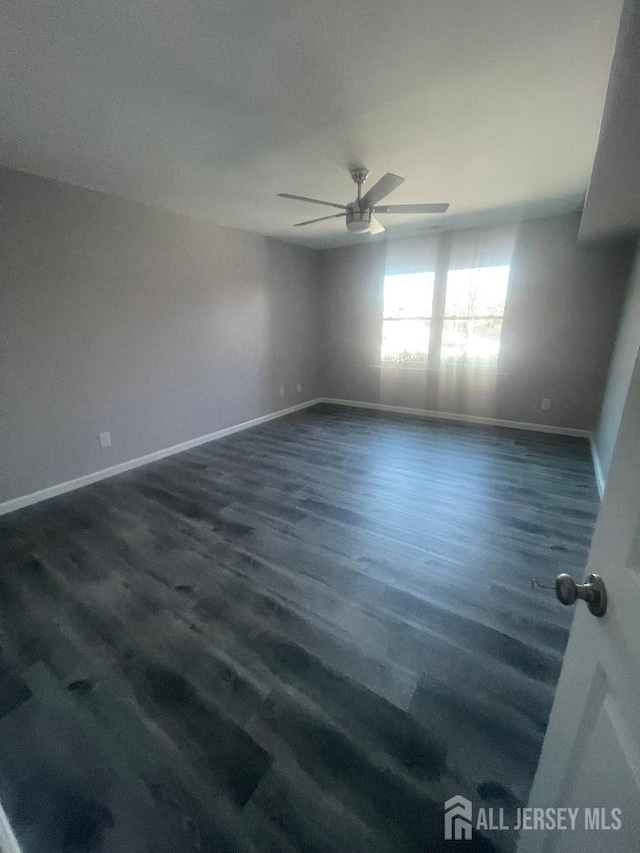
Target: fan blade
312 200
387 184
376 227
321 219
412 208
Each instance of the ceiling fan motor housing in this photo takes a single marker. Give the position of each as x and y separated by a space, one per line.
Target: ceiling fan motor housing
358 220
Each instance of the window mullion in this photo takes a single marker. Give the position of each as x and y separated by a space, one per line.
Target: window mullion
439 298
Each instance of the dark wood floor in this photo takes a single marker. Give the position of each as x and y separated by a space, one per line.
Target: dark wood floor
303 637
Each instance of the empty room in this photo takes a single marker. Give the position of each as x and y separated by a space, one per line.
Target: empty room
319 426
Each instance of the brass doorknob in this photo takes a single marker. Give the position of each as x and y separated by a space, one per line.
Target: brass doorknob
568 592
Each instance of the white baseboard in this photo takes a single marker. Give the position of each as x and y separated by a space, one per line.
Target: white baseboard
105 473
454 416
597 467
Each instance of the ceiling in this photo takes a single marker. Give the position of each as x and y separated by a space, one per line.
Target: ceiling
210 108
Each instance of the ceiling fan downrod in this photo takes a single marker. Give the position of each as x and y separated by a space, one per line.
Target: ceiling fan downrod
358 219
359 176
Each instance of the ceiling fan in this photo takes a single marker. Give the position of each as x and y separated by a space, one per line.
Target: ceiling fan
359 214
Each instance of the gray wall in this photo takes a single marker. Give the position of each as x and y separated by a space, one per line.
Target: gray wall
561 315
622 364
156 327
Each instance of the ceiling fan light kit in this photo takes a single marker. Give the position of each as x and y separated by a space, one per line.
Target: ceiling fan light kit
358 220
359 215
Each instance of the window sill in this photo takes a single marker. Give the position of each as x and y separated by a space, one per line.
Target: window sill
443 369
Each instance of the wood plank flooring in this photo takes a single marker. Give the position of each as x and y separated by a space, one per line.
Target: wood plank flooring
304 637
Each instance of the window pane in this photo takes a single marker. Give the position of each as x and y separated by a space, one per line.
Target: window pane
470 341
476 292
408 295
405 341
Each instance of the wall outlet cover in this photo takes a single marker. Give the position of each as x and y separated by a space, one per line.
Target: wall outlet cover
546 403
105 439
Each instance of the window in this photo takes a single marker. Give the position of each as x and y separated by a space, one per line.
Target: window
450 320
473 313
406 317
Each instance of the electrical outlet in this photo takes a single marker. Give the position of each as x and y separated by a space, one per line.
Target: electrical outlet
299 387
105 439
282 390
546 403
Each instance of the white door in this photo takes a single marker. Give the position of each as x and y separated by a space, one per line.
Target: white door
591 753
